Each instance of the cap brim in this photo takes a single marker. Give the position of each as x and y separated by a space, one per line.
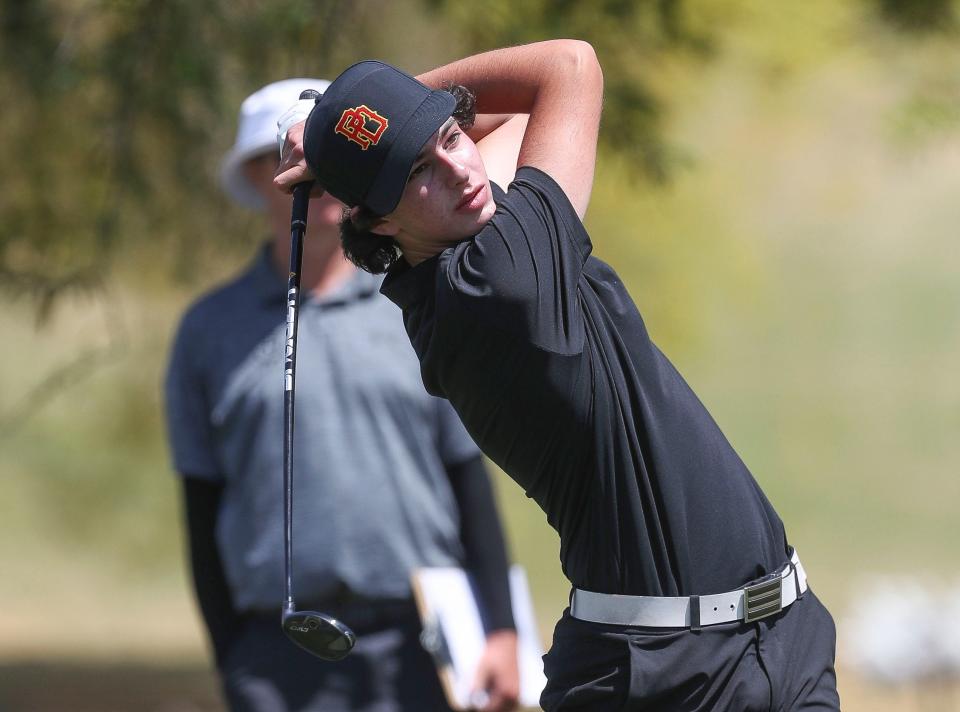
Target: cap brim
387 189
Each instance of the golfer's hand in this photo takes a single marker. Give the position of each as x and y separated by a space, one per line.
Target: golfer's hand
498 674
293 167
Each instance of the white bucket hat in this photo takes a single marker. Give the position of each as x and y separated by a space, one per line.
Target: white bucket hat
257 134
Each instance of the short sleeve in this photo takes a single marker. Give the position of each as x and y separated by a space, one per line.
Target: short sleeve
454 445
522 271
187 413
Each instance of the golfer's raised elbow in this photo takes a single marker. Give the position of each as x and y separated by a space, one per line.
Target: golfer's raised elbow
580 62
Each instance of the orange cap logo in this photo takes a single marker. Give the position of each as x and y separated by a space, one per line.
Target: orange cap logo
362 125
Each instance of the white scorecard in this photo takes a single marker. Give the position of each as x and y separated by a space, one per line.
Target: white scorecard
453 633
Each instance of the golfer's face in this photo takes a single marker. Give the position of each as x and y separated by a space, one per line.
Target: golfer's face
448 196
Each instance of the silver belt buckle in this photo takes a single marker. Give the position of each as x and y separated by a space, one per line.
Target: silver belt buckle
763 599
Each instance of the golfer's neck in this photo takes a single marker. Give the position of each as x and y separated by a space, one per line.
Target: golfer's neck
415 257
416 251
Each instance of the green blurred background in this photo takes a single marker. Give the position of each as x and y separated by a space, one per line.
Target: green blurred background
779 187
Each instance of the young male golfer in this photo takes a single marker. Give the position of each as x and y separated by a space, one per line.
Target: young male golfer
686 595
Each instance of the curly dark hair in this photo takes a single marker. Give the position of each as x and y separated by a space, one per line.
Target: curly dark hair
378 253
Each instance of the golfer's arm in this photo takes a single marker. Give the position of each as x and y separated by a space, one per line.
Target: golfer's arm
485 124
559 83
500 147
201 507
483 542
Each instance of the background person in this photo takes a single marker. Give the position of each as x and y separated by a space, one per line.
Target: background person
542 352
386 478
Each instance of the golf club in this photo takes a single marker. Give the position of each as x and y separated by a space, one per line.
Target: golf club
317 633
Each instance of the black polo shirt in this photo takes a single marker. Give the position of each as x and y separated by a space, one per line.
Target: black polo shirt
545 357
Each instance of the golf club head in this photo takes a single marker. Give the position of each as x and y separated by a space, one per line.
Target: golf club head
325 637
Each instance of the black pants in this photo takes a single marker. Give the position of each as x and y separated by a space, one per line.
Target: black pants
387 671
781 664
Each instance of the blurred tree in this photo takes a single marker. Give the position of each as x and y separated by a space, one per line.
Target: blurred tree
919 15
115 115
632 39
115 111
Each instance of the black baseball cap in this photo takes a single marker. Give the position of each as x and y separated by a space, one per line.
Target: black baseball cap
365 132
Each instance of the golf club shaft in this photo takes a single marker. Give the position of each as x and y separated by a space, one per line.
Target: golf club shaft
298 226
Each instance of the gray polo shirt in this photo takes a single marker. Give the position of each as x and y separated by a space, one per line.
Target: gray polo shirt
371 496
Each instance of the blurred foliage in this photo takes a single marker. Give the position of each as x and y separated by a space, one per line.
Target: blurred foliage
922 16
117 123
632 39
116 108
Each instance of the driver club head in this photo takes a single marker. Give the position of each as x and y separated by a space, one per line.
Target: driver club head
325 637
